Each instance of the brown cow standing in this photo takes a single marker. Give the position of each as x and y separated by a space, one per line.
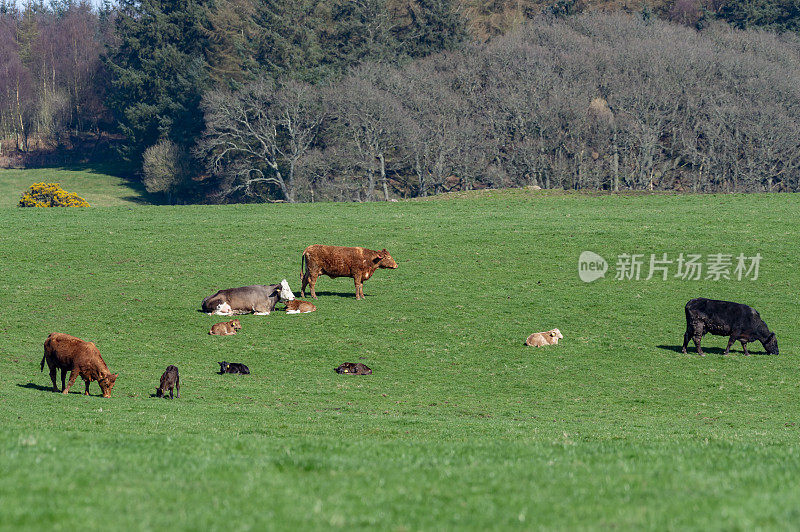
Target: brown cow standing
338 261
67 353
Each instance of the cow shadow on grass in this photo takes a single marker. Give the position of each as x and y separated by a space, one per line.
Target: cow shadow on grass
690 349
34 386
349 295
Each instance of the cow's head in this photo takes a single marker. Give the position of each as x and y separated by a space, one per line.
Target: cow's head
107 382
555 333
770 344
384 260
223 366
236 324
285 292
223 309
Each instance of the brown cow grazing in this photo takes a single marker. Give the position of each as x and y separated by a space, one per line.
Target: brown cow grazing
67 353
348 368
169 380
544 338
299 306
338 261
225 328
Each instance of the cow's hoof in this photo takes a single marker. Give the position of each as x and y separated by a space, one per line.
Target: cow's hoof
65 392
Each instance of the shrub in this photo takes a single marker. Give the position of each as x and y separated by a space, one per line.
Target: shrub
50 195
165 167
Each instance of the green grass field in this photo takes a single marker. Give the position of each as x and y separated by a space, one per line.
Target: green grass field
98 188
460 426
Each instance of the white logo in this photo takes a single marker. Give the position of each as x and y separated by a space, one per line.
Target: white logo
591 266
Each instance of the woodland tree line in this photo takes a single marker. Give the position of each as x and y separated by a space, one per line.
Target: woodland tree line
309 100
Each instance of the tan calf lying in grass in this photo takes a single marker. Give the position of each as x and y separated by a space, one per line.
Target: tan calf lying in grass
544 338
225 328
298 306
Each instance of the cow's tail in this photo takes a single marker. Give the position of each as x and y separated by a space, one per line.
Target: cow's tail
302 272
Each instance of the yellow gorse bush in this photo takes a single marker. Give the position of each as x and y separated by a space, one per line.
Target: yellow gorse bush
50 195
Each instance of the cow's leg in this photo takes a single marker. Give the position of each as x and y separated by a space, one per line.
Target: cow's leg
312 283
72 376
170 394
686 337
744 346
53 371
304 282
730 343
358 281
178 387
87 388
698 336
63 379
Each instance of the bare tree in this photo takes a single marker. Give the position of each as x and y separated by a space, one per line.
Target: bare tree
373 123
257 135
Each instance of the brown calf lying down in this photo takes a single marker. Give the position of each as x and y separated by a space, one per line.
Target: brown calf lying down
67 353
299 306
225 328
544 338
353 369
338 261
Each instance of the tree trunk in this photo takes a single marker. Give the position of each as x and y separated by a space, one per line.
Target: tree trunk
420 175
383 177
615 161
370 184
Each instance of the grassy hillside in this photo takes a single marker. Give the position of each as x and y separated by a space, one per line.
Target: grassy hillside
460 426
98 188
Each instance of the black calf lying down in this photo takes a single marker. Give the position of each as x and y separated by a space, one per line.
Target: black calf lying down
353 369
169 380
724 318
233 367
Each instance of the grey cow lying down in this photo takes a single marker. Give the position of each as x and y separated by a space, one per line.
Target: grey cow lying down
259 299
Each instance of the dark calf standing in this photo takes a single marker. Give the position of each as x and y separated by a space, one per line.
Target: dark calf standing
233 367
724 318
169 380
338 261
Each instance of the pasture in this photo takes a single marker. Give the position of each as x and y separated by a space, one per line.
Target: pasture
460 425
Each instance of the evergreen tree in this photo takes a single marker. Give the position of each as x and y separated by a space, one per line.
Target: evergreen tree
354 32
780 15
231 30
288 42
158 72
424 27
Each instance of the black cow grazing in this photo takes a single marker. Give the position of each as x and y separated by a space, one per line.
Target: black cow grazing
233 367
169 380
724 318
